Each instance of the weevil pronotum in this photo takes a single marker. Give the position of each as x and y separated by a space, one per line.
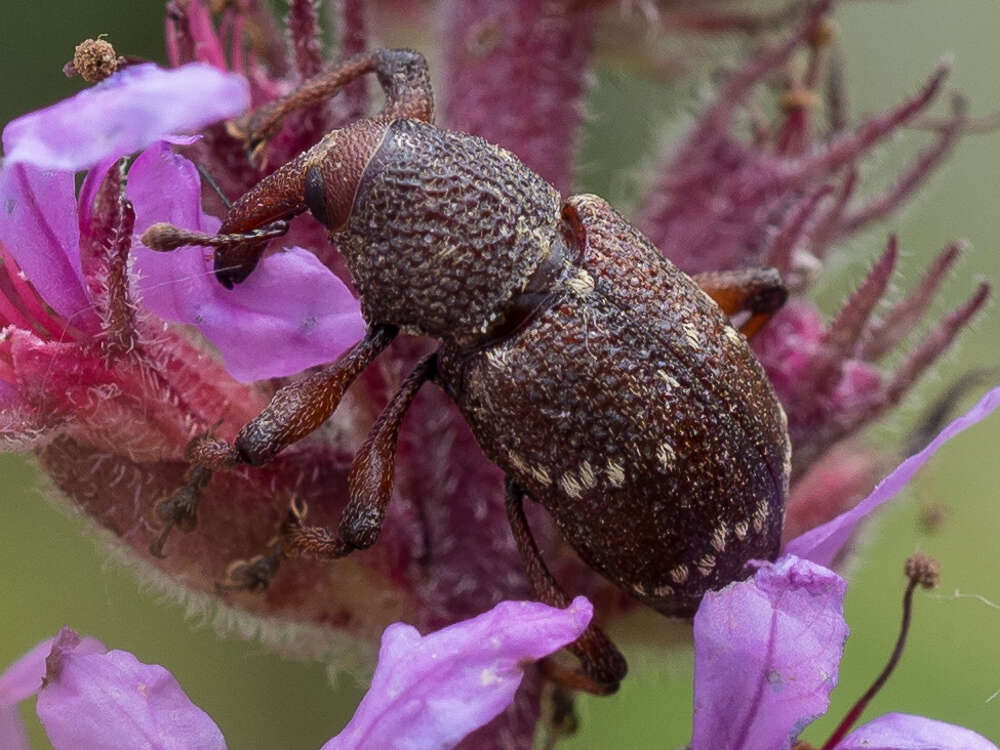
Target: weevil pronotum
608 385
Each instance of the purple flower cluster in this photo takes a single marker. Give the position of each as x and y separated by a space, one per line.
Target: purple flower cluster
95 383
767 654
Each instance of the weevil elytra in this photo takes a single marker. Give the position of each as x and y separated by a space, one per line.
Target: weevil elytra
608 385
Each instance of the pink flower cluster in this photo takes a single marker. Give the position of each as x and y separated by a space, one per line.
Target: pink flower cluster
105 370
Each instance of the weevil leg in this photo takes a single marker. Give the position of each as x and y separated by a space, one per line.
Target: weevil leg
602 665
262 212
369 483
758 291
294 412
402 74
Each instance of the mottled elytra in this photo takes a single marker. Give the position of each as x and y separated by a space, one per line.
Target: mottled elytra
609 386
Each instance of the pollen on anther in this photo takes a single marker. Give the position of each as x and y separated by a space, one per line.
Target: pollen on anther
587 476
663 591
741 529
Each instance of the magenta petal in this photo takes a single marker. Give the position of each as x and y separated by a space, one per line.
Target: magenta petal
905 732
112 700
766 656
431 691
822 543
292 313
38 227
21 680
125 113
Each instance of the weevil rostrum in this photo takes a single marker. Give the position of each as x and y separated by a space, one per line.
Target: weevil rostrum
609 386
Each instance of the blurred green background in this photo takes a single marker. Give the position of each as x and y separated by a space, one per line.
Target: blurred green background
52 575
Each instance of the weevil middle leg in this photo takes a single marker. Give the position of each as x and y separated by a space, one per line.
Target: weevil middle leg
758 291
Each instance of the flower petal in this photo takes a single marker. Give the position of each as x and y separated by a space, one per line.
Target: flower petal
822 543
112 700
21 680
292 313
766 656
905 732
125 113
431 691
38 227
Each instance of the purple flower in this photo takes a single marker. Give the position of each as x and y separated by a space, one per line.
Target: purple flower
427 692
767 652
431 691
293 313
125 113
822 543
21 680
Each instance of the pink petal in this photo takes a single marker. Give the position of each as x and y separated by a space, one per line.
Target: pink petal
822 543
904 732
22 680
431 691
125 113
292 313
766 656
109 701
38 227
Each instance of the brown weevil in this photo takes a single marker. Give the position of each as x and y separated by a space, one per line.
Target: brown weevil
609 386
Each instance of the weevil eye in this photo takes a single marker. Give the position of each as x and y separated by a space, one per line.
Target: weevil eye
316 195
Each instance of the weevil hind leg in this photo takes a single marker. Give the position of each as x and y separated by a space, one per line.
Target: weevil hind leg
758 291
294 411
369 483
602 666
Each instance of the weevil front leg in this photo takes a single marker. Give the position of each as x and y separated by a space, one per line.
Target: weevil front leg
602 665
758 291
294 412
369 483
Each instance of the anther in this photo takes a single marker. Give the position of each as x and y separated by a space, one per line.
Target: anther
93 60
922 570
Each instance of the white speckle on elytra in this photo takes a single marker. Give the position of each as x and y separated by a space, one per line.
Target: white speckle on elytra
691 334
665 455
718 540
679 574
571 486
616 473
706 564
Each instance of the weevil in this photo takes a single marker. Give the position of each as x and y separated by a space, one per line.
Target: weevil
611 388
